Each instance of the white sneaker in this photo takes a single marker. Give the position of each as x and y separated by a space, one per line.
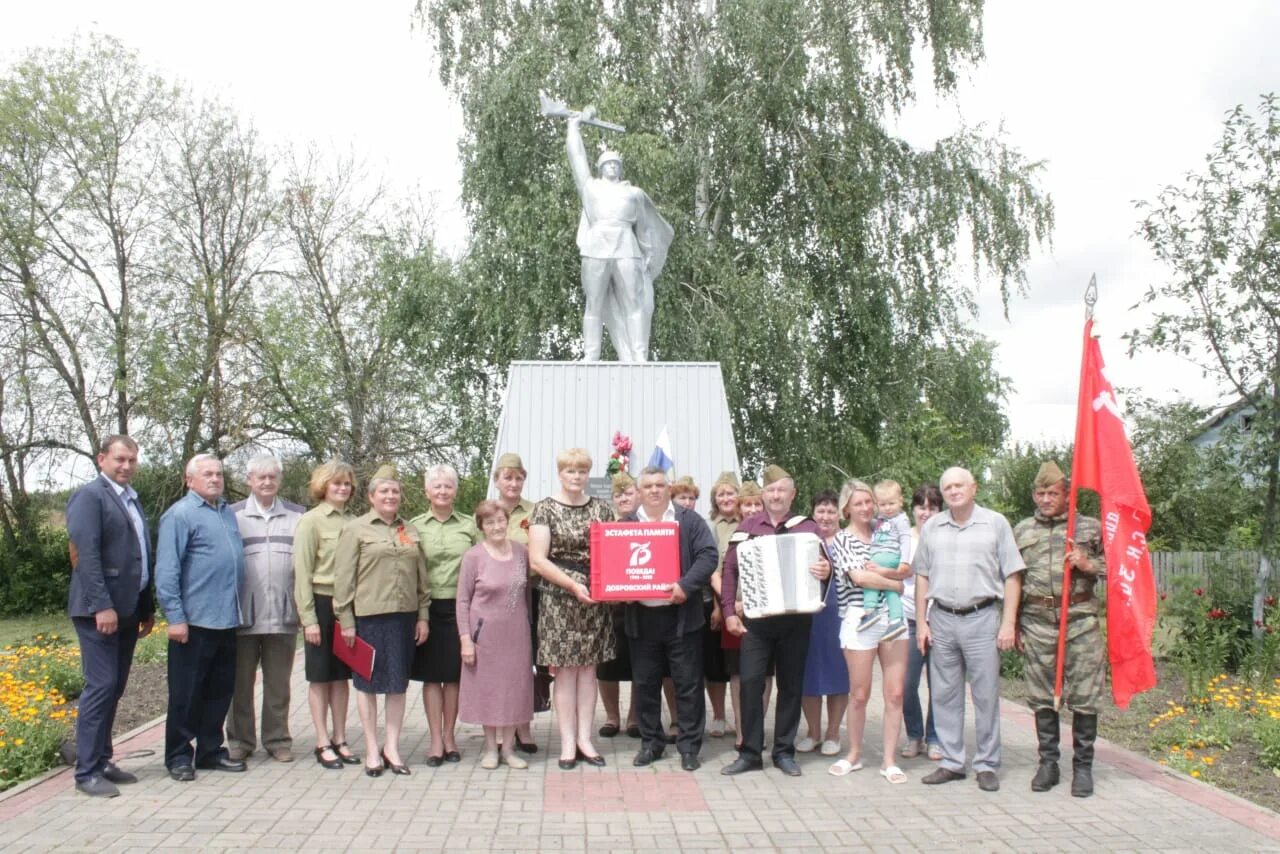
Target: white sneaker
805 745
830 748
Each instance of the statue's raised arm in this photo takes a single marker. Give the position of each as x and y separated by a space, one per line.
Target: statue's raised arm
623 240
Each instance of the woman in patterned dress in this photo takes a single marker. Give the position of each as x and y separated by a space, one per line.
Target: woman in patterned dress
574 632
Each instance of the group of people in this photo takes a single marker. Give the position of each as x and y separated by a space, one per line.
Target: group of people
483 610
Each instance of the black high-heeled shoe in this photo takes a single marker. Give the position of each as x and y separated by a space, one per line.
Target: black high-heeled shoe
395 769
374 772
568 764
525 746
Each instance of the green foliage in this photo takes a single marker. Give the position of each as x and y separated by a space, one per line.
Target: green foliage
1210 626
154 647
1013 665
1267 733
814 251
1219 235
1198 496
35 576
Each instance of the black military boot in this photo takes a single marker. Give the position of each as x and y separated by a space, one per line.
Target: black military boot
1047 731
1084 729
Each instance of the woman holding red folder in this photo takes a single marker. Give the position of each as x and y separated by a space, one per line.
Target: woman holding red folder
314 542
381 595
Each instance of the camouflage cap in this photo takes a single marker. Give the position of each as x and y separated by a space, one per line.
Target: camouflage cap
774 473
1048 475
510 461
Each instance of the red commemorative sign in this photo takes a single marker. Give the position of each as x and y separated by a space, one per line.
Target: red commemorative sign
634 560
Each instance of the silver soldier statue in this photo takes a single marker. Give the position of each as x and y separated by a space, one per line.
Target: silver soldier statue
624 242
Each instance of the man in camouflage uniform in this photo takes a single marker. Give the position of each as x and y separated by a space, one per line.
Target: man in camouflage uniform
1042 541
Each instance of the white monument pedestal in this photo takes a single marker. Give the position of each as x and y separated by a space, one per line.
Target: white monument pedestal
551 406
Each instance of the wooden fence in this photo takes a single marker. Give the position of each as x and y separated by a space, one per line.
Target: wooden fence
1233 569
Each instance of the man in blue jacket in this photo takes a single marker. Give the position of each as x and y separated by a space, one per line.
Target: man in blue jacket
199 569
110 603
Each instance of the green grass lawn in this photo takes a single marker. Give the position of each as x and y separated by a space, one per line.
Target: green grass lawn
15 630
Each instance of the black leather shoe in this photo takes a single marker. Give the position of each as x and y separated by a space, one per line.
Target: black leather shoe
224 763
526 746
740 766
787 765
98 786
347 758
435 761
633 731
988 781
646 757
596 760
609 730
332 764
690 762
182 773
395 769
568 764
115 774
942 775
375 771
452 756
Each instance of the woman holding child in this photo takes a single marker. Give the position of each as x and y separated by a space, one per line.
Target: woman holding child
851 551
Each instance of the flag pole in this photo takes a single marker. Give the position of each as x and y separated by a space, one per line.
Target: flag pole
1090 300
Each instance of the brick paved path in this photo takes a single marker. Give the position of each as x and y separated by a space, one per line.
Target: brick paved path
1139 806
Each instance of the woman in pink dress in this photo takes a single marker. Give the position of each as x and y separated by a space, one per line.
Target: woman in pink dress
493 630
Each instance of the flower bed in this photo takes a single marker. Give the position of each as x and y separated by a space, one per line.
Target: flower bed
37 682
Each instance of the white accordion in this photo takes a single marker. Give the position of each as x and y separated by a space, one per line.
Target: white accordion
774 578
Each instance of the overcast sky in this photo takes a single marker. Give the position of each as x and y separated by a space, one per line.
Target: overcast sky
1118 99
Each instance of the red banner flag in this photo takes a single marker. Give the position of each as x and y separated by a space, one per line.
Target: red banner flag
1103 462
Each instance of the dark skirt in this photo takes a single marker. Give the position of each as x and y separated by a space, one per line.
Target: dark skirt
320 664
439 660
825 671
619 669
713 665
391 636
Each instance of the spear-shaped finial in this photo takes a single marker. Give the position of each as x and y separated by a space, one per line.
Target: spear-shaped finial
1091 297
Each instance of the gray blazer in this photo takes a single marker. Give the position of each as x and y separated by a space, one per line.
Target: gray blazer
106 564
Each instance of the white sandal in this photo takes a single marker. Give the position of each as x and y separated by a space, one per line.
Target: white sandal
893 774
843 766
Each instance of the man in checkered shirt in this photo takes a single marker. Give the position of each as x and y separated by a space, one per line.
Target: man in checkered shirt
968 585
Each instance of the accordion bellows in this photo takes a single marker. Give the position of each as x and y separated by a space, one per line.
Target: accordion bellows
773 575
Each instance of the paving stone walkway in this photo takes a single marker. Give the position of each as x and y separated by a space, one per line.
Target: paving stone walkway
1139 806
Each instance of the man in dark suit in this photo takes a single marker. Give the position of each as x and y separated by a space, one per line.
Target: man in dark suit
664 634
111 604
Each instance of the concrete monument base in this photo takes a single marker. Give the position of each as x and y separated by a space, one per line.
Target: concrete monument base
550 406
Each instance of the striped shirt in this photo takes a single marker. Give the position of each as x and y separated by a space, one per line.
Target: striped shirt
848 553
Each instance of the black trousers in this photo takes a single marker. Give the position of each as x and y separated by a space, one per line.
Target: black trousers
202 678
105 660
657 651
782 641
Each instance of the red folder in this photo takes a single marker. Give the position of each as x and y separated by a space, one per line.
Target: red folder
359 657
634 560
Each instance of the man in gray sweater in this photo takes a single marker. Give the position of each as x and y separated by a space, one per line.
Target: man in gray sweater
268 633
